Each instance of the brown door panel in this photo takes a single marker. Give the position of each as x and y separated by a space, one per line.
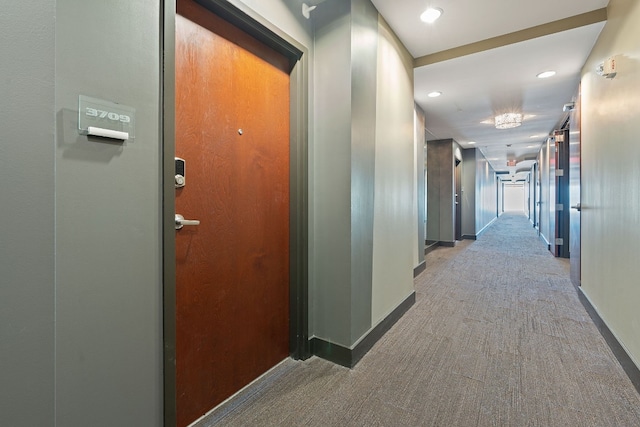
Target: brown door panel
232 270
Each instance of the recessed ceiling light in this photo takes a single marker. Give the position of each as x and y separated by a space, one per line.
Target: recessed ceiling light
430 15
532 146
471 142
546 74
434 94
535 136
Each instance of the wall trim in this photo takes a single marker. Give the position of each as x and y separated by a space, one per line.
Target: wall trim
469 237
486 227
530 33
546 242
419 269
629 367
250 23
350 357
430 247
448 244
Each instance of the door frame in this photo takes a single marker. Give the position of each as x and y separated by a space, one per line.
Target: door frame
257 26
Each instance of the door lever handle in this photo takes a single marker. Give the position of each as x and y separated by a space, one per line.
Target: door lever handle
181 222
576 207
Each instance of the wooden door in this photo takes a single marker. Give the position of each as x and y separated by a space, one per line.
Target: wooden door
232 270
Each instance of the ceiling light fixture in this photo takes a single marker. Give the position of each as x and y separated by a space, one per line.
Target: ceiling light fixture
430 15
546 74
434 94
471 142
508 120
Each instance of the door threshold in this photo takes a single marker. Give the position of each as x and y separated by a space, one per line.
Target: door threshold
245 395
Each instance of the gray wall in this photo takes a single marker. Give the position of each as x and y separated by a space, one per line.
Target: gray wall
27 120
421 168
351 209
486 193
364 72
80 263
395 206
611 177
479 195
331 288
108 245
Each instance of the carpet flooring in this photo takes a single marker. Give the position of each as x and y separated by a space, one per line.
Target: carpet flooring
497 337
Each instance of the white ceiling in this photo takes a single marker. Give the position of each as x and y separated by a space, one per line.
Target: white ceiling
477 86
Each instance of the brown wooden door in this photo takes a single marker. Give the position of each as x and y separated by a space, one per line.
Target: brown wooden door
232 270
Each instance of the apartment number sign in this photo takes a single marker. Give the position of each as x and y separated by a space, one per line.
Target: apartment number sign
105 118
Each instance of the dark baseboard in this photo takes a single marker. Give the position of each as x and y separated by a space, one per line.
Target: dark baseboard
332 352
448 244
469 237
419 269
430 246
632 371
350 357
546 242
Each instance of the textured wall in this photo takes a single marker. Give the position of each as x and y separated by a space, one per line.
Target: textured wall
27 120
611 177
395 208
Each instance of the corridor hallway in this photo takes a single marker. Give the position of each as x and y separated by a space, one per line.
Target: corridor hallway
497 337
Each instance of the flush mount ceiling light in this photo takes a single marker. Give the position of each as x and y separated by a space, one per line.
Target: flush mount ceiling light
471 142
546 74
430 15
508 120
434 94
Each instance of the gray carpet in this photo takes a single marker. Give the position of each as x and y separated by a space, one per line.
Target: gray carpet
497 337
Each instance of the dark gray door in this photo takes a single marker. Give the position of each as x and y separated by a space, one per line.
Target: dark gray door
458 200
574 193
560 247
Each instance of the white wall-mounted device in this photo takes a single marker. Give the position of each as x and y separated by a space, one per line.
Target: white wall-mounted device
608 68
